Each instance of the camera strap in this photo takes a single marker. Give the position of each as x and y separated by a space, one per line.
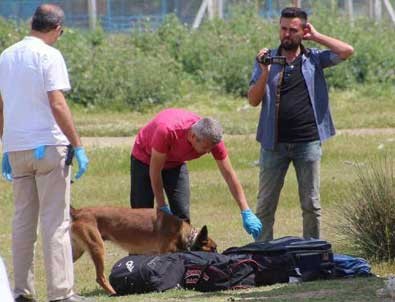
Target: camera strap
278 97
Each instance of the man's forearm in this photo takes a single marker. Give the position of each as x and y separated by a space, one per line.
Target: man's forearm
238 193
233 183
157 188
157 163
63 117
257 90
342 49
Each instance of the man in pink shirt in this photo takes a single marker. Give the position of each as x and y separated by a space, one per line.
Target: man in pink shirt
158 158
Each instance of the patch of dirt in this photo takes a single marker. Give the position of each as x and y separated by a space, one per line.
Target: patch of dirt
301 296
107 141
120 141
100 142
367 131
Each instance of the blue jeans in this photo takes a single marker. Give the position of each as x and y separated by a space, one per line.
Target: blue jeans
273 168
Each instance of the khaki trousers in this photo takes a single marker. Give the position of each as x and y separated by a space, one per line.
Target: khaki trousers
42 195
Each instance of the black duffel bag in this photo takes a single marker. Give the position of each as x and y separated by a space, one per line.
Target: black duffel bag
309 259
211 271
136 274
208 272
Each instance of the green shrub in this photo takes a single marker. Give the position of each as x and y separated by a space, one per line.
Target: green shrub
368 211
373 60
139 69
10 33
221 52
110 72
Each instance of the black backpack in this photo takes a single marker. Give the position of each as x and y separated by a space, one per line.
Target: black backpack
309 259
137 274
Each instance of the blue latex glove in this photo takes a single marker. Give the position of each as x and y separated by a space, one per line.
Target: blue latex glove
6 167
166 209
82 161
39 152
251 223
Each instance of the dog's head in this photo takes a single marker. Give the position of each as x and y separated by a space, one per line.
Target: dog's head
202 242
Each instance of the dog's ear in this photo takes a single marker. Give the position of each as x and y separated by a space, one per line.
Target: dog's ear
203 235
205 243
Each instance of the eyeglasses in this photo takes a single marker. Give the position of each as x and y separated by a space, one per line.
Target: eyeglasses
61 32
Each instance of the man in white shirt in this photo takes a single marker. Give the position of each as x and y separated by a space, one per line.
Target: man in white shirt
36 126
5 290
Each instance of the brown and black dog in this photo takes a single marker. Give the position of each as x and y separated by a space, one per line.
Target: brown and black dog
138 231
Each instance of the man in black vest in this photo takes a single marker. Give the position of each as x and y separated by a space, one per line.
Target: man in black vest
295 117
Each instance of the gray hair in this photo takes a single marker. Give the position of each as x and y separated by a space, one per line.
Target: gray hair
47 17
208 128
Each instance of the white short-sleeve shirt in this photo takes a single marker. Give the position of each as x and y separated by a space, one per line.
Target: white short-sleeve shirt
5 289
28 70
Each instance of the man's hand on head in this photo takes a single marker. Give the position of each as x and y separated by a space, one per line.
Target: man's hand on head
309 32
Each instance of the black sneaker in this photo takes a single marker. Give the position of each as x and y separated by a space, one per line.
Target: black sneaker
24 299
75 298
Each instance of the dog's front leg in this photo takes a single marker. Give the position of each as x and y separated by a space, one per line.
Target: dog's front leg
97 255
103 282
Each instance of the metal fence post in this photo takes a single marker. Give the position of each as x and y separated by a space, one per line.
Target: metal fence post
297 3
371 9
163 8
220 7
350 10
200 14
92 12
390 10
211 9
377 10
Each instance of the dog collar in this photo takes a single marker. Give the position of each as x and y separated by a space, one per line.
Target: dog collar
191 239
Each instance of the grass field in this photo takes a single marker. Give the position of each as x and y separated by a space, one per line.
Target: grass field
365 107
107 183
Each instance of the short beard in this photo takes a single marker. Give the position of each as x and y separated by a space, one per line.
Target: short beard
290 46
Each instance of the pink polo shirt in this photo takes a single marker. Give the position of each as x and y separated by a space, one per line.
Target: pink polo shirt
167 133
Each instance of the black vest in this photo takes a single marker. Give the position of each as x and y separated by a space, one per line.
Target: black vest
296 119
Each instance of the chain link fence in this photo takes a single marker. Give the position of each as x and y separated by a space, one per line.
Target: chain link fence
124 15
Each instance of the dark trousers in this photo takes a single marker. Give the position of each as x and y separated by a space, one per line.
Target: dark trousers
175 182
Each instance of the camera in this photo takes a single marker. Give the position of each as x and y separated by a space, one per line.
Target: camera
267 59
